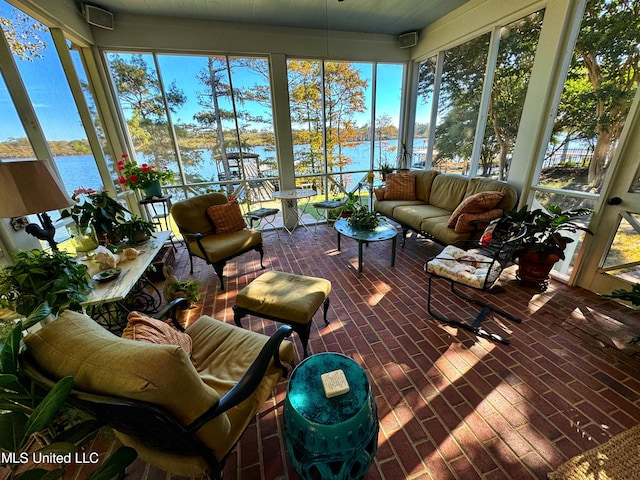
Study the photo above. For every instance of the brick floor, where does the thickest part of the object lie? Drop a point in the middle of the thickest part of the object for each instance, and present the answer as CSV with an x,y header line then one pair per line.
x,y
450,405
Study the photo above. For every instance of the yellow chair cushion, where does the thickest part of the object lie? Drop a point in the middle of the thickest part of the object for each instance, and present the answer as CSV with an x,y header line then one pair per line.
x,y
214,344
220,247
286,296
103,363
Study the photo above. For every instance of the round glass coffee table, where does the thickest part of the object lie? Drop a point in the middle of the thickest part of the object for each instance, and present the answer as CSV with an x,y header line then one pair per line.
x,y
384,231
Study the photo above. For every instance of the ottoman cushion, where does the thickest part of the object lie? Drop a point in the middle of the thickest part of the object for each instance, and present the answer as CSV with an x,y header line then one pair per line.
x,y
287,296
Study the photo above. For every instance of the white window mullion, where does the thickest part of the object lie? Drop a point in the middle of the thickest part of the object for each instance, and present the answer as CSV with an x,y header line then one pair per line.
x,y
485,100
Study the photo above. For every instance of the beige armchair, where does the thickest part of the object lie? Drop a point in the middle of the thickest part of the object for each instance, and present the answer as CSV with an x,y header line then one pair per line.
x,y
181,412
202,238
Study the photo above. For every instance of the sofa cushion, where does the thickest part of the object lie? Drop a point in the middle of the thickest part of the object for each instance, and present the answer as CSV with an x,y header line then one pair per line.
x,y
413,215
463,224
424,181
437,228
478,203
143,328
448,191
387,207
400,187
226,218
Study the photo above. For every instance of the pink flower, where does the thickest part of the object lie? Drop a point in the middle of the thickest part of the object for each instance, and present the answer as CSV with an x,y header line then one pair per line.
x,y
122,180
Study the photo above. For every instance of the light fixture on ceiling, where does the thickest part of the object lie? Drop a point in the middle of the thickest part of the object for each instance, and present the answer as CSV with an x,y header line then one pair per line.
x,y
31,187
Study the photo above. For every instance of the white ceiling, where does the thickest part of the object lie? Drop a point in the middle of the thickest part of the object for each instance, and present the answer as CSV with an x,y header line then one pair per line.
x,y
366,16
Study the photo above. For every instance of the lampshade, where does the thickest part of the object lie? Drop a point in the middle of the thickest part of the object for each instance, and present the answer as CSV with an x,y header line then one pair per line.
x,y
30,187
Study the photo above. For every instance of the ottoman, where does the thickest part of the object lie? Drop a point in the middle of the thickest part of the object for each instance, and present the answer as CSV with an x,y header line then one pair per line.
x,y
286,298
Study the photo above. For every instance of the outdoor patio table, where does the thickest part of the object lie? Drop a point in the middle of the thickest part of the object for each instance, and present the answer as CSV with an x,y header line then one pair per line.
x,y
384,231
291,196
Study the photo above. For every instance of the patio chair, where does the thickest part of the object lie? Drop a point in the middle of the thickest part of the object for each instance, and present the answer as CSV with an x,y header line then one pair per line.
x,y
325,207
178,398
215,236
263,216
478,267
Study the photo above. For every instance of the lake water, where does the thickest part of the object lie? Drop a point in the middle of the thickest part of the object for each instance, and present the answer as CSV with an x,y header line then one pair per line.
x,y
80,171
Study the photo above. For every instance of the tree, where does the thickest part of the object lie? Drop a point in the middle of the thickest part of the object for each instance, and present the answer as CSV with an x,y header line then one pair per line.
x,y
602,79
141,96
23,35
462,82
344,97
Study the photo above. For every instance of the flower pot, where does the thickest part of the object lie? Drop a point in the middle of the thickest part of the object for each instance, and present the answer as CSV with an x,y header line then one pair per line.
x,y
533,270
83,238
153,190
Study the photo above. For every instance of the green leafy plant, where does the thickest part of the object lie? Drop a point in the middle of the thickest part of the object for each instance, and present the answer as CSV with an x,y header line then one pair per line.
x,y
632,295
135,230
26,409
385,169
363,218
37,277
545,228
97,208
350,202
189,290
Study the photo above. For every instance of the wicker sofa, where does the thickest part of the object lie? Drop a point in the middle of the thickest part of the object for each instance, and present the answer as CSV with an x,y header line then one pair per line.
x,y
445,207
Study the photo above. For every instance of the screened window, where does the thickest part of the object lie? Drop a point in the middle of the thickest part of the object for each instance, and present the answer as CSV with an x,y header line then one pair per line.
x,y
597,96
350,130
208,119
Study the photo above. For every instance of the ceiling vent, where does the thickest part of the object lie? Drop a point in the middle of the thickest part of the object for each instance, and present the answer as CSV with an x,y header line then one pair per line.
x,y
97,16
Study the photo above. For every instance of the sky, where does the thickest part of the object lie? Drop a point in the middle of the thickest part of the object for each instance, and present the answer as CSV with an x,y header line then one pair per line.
x,y
52,100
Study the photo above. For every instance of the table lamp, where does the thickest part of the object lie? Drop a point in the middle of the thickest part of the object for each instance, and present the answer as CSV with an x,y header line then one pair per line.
x,y
28,187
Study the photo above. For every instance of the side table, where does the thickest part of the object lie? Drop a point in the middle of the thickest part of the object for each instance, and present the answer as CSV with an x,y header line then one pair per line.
x,y
158,210
330,438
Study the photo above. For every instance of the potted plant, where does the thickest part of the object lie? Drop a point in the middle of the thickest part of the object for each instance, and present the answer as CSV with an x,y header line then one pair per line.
x,y
350,202
363,219
97,209
135,230
543,243
385,169
38,276
145,177
174,288
404,158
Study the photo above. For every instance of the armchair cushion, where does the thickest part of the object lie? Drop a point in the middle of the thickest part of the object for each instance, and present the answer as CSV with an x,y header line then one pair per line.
x,y
220,247
226,218
461,266
143,328
214,343
102,363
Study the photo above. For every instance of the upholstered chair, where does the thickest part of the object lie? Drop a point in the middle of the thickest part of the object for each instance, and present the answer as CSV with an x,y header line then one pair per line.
x,y
214,229
180,399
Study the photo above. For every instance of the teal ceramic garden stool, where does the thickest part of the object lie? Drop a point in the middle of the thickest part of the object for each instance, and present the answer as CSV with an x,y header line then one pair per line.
x,y
330,438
